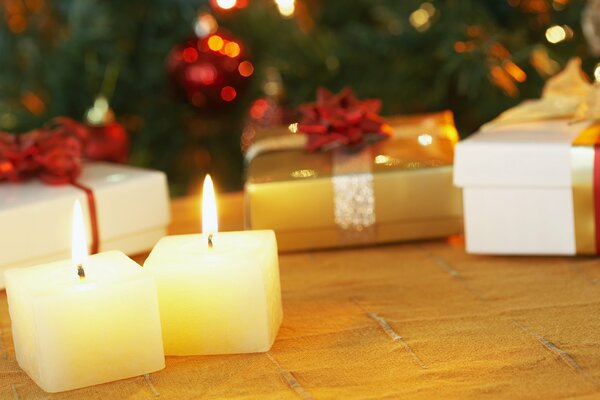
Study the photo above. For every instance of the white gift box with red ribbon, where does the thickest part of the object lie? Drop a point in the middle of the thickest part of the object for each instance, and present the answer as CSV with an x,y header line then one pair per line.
x,y
131,213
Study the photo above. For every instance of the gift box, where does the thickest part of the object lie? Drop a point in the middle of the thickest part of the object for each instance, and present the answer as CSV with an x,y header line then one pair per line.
x,y
530,178
399,188
125,208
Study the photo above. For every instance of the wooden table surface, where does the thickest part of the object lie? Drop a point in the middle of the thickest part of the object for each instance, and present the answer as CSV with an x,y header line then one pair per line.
x,y
418,320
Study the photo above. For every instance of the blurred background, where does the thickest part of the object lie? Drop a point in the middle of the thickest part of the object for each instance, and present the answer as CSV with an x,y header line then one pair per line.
x,y
189,82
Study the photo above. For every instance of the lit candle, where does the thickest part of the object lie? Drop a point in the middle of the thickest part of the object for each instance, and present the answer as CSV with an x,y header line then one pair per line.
x,y
84,321
219,292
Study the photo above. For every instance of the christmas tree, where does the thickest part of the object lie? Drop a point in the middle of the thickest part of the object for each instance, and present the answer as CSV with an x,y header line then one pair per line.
x,y
475,58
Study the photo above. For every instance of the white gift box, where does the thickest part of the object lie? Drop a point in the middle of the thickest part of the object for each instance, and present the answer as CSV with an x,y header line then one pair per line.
x,y
517,182
132,209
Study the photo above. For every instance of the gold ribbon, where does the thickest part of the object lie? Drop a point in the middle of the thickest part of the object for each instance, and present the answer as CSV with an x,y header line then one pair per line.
x,y
583,155
567,95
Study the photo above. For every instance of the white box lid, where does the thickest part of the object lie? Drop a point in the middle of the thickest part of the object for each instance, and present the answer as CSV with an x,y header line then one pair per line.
x,y
534,154
35,218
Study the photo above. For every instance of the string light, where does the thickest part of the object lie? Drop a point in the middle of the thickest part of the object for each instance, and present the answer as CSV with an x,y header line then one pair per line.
x,y
215,43
515,71
556,33
231,49
597,73
421,18
205,25
33,103
226,4
189,54
228,93
246,68
286,7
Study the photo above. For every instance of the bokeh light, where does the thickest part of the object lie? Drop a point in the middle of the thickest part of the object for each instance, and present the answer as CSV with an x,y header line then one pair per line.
x,y
232,49
556,33
215,43
421,18
204,74
205,25
286,7
246,69
228,93
189,54
226,4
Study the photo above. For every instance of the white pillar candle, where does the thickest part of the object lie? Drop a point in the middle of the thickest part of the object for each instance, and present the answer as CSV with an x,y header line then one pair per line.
x,y
84,321
219,292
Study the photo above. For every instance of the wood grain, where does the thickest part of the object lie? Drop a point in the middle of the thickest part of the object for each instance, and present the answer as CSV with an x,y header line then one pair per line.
x,y
416,320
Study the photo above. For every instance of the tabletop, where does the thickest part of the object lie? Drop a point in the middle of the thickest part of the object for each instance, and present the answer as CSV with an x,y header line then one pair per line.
x,y
417,320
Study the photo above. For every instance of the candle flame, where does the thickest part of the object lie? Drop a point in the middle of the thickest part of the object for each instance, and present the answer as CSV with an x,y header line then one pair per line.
x,y
79,248
210,224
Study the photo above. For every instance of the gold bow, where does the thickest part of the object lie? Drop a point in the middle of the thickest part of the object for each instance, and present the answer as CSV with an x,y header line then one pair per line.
x,y
567,95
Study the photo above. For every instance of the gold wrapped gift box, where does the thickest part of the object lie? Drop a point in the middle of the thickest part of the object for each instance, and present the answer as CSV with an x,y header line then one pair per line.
x,y
397,189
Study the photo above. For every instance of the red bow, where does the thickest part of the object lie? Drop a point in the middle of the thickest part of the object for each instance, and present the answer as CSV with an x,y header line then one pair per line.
x,y
54,153
341,119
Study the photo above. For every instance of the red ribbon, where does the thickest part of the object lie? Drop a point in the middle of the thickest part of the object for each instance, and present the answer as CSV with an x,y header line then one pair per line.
x,y
341,119
597,194
53,153
91,200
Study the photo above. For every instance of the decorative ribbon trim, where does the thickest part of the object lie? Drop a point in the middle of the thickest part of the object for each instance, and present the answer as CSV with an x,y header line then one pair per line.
x,y
567,95
287,141
353,194
596,185
436,125
585,186
91,201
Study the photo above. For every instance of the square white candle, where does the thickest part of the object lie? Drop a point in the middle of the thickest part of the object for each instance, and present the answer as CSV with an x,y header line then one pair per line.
x,y
70,332
221,299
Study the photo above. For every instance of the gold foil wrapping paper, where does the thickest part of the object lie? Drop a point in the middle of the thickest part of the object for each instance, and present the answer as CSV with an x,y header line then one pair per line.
x,y
302,196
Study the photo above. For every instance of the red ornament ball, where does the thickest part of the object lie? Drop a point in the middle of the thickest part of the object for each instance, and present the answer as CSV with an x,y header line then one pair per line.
x,y
109,142
211,72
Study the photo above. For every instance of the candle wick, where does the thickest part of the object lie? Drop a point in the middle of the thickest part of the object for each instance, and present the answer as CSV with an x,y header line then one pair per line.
x,y
80,271
210,240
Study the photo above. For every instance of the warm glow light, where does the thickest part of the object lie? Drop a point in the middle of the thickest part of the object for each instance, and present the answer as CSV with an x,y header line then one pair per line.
x,y
597,73
421,18
286,7
226,4
556,34
205,25
232,49
189,54
228,93
79,249
246,68
215,43
204,73
513,70
210,224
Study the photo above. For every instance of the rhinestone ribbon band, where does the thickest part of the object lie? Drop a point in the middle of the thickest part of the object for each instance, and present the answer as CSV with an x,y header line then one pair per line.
x,y
353,194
